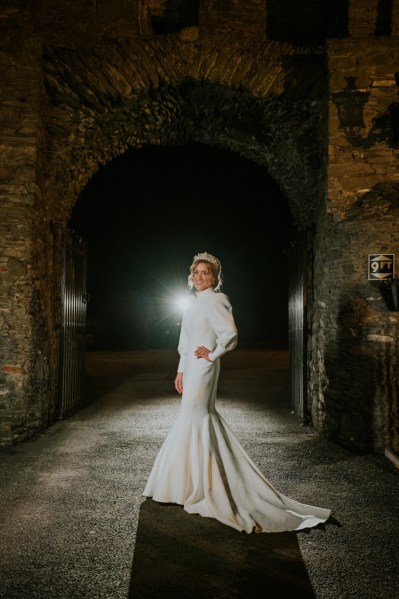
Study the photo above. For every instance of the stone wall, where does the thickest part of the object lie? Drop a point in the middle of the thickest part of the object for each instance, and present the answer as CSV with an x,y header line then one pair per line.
x,y
24,393
354,338
363,118
305,23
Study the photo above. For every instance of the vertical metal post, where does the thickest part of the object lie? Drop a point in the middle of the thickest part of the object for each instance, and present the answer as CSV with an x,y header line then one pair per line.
x,y
297,327
73,323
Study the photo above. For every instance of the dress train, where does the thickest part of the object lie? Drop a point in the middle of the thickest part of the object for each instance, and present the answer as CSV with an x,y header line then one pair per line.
x,y
203,467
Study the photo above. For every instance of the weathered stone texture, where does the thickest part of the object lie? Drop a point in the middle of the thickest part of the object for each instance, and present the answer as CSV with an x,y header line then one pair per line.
x,y
354,340
234,92
365,154
23,403
362,18
310,22
235,15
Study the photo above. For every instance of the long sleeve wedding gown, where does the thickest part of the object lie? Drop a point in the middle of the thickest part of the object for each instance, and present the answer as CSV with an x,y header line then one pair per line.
x,y
201,464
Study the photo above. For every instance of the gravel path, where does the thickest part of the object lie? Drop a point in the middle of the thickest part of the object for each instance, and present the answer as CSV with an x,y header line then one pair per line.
x,y
73,522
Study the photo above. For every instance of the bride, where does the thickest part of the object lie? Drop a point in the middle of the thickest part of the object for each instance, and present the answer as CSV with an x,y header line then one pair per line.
x,y
201,464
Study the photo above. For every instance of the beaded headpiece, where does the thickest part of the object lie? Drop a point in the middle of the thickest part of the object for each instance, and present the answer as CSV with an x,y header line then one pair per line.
x,y
207,257
204,256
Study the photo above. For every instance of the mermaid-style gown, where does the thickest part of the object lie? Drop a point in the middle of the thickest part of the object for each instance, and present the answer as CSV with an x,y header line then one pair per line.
x,y
201,464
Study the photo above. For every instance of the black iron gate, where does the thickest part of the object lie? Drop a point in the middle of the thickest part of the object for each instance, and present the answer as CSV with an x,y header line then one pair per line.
x,y
73,323
297,305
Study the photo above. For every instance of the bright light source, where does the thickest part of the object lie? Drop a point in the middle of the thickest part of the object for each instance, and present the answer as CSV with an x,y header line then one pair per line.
x,y
182,303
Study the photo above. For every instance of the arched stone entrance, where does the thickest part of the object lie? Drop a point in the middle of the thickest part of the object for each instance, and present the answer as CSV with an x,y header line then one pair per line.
x,y
266,101
290,109
277,126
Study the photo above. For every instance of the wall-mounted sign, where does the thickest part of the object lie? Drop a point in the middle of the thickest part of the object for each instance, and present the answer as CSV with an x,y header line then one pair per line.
x,y
381,266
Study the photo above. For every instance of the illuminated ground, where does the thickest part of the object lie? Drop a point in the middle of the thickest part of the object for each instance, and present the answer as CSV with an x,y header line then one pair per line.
x,y
73,523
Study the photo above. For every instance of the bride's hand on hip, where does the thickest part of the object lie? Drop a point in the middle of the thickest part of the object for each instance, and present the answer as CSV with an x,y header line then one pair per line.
x,y
202,352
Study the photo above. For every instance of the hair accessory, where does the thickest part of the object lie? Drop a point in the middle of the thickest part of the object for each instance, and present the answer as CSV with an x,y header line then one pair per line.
x,y
207,257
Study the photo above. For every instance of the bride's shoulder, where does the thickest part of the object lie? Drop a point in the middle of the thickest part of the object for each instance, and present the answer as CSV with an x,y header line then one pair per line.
x,y
220,298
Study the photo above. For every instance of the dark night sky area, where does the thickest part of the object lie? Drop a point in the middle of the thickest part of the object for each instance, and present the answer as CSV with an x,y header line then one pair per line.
x,y
145,215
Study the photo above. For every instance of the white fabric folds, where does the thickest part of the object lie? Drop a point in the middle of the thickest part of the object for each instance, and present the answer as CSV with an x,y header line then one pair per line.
x,y
201,464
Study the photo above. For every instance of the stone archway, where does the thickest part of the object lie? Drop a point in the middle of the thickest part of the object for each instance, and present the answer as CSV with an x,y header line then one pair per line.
x,y
270,102
262,100
82,84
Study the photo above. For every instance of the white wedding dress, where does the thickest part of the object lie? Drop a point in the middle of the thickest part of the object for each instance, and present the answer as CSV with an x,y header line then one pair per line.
x,y
201,464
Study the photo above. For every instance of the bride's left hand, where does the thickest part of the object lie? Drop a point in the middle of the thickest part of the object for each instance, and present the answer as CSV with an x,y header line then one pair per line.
x,y
202,352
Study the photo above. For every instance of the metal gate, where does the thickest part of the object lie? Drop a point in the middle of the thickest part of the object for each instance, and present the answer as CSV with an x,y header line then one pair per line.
x,y
73,323
297,318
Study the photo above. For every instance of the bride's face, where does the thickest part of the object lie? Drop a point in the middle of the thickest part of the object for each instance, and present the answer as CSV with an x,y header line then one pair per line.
x,y
202,276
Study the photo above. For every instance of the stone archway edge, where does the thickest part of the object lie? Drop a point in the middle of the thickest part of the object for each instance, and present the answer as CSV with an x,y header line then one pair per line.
x,y
126,67
107,98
